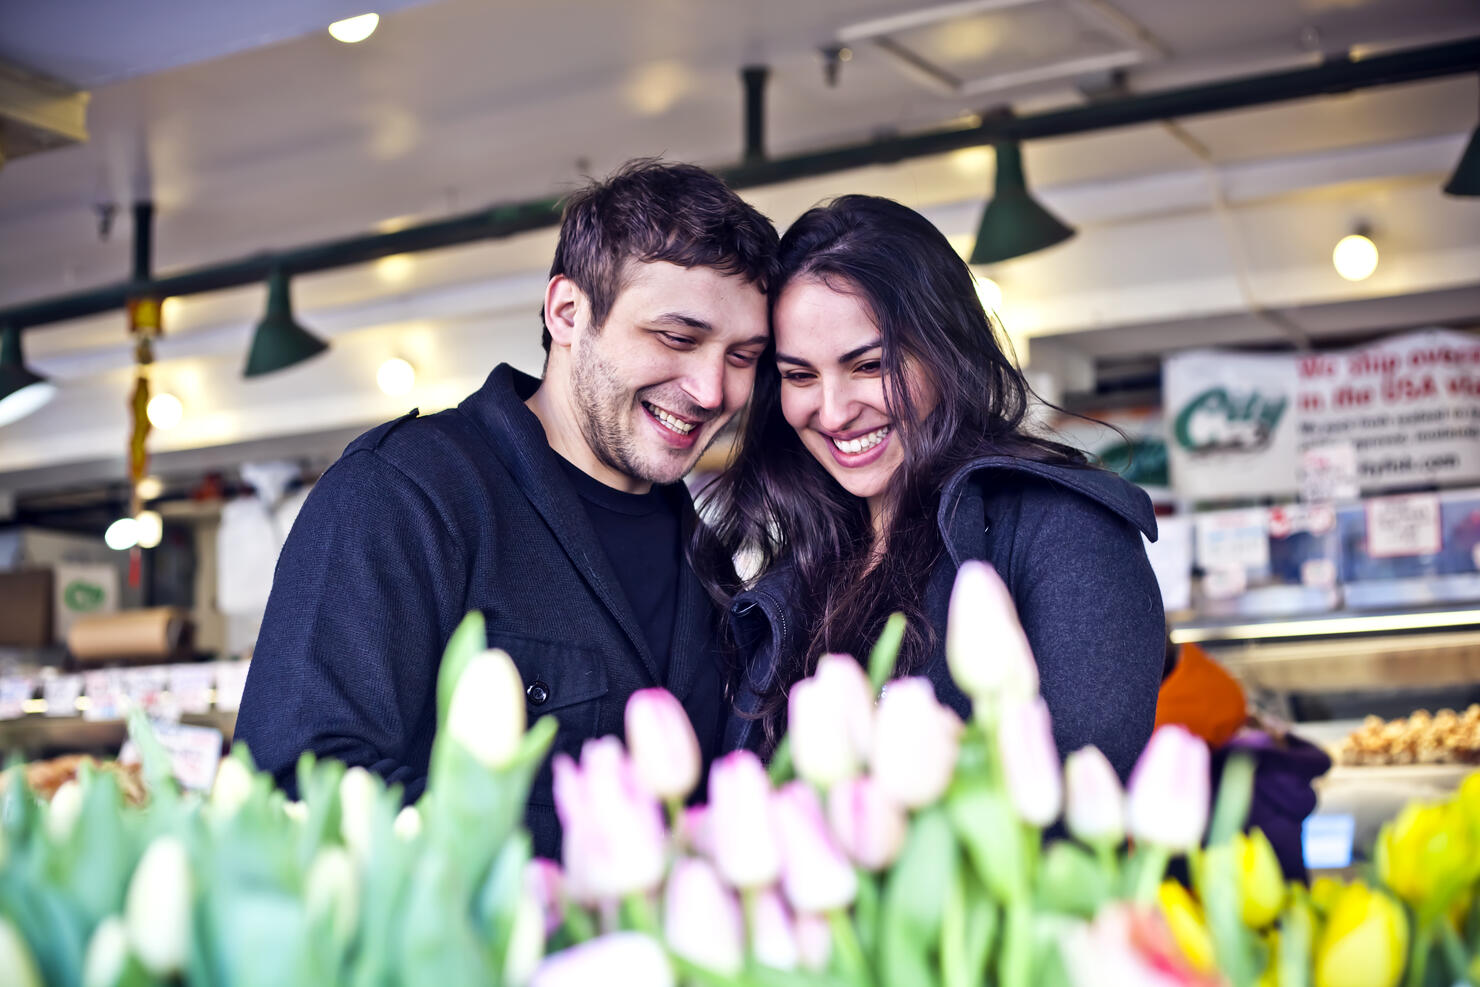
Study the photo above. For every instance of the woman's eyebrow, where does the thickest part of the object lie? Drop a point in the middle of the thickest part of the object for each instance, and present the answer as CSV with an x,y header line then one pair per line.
x,y
847,357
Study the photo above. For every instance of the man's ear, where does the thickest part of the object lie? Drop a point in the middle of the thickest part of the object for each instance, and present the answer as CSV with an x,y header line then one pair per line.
x,y
566,307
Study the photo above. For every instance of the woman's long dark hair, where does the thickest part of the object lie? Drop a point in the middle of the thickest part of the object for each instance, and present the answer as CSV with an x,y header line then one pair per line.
x,y
778,505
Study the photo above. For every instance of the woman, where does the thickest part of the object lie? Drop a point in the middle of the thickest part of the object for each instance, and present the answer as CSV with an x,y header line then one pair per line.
x,y
886,444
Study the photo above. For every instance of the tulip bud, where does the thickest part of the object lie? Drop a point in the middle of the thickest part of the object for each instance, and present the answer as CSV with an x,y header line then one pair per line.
x,y
1364,942
815,875
107,953
526,941
986,648
1323,894
773,934
830,720
407,826
332,889
746,850
157,907
296,811
1167,803
1030,761
614,841
1261,880
698,831
17,965
232,788
1427,851
358,791
1095,809
701,918
486,716
814,942
915,741
1188,925
665,751
617,959
66,806
869,827
542,882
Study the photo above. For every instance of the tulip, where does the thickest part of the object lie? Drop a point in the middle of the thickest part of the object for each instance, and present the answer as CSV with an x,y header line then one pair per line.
x,y
1324,891
157,907
915,742
543,880
1167,803
830,721
815,875
614,841
17,965
66,806
331,890
869,827
617,959
358,792
1188,925
1095,802
746,850
232,788
296,811
1427,854
773,934
407,826
665,751
698,830
1030,761
486,715
1125,947
1260,878
701,918
986,649
1364,942
526,941
107,953
814,942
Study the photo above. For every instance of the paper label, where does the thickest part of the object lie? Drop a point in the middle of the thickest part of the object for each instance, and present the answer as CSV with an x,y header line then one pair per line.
x,y
1403,526
61,693
15,691
1328,473
1233,539
231,679
195,753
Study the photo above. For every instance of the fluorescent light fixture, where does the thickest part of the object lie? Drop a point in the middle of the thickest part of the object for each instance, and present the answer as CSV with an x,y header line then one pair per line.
x,y
353,30
1320,626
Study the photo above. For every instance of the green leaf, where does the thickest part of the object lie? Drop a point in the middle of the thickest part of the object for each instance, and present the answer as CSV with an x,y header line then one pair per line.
x,y
1235,795
916,892
498,902
884,656
1295,950
1218,887
990,830
1072,881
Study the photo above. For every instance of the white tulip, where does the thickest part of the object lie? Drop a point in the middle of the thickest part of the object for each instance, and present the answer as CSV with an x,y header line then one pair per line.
x,y
332,888
915,743
296,811
408,824
157,907
66,806
232,788
986,649
526,941
830,721
107,952
17,965
1095,808
358,791
486,716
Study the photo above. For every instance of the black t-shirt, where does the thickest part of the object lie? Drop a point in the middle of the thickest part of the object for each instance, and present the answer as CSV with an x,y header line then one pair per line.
x,y
640,533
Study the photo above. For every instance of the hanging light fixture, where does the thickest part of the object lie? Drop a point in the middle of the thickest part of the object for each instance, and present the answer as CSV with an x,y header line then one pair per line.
x,y
22,390
1355,255
1466,177
1014,223
280,341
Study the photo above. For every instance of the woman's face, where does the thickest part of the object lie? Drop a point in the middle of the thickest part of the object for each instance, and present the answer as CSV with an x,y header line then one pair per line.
x,y
830,355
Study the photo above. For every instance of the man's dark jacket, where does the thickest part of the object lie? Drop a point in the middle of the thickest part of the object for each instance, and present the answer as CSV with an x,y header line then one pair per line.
x,y
420,521
1067,542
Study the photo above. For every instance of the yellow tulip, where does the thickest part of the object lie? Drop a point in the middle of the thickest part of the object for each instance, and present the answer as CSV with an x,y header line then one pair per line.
x,y
1364,942
1323,893
1271,975
1261,881
1427,854
1189,928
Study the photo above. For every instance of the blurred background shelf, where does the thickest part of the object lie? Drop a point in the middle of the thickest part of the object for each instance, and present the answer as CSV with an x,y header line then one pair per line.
x,y
35,736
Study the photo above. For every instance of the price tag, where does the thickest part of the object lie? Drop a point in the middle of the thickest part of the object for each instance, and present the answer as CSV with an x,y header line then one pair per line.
x,y
1329,473
1233,540
1224,582
105,695
191,686
1403,526
195,752
60,693
15,692
231,679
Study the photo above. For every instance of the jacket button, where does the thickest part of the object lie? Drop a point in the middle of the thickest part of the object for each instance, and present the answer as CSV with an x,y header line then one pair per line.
x,y
538,693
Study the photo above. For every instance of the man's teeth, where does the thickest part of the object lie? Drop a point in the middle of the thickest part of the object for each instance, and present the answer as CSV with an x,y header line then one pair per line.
x,y
863,442
677,424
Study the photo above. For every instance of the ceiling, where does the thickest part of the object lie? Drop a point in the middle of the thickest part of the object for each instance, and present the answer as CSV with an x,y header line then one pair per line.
x,y
252,130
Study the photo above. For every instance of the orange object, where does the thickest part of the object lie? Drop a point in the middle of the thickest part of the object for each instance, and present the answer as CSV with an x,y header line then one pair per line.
x,y
1202,697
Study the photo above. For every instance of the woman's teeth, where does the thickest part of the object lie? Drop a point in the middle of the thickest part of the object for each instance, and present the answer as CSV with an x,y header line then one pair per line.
x,y
678,425
863,442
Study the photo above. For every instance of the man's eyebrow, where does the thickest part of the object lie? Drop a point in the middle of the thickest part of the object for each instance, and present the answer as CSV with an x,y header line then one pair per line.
x,y
682,319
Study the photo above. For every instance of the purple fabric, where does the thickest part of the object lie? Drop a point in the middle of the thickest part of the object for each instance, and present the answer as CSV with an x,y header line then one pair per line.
x,y
1283,791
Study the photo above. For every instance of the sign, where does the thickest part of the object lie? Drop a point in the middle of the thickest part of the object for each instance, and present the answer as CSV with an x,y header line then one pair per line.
x,y
81,590
1231,431
61,693
1329,473
1400,526
1228,540
195,753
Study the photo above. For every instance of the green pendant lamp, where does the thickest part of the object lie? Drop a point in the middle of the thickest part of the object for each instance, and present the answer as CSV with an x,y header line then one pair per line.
x,y
1466,177
280,341
1014,223
22,390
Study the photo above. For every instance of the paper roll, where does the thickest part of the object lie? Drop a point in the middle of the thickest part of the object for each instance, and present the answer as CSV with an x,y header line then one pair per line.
x,y
130,635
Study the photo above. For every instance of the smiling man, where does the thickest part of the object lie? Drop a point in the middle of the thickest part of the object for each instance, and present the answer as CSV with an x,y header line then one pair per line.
x,y
554,506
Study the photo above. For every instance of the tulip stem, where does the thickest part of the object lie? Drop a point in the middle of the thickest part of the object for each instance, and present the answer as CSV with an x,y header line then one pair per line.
x,y
639,914
1109,861
1149,866
1454,952
675,817
1423,941
850,953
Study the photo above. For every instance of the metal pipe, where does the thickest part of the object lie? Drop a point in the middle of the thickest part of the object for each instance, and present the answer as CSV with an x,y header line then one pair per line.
x,y
143,242
754,77
1335,75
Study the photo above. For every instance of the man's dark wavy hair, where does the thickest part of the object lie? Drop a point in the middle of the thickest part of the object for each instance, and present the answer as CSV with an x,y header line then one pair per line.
x,y
778,502
650,210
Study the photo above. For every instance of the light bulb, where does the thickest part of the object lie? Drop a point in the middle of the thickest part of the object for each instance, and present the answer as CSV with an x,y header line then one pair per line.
x,y
149,488
149,527
353,30
165,411
122,534
396,377
990,292
1355,257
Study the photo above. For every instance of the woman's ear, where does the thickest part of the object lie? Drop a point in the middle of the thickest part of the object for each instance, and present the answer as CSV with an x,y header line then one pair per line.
x,y
565,305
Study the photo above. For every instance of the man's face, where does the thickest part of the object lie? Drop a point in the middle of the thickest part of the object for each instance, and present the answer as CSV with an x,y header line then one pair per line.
x,y
673,362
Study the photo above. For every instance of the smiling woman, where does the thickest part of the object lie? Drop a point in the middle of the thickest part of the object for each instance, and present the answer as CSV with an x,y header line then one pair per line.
x,y
886,445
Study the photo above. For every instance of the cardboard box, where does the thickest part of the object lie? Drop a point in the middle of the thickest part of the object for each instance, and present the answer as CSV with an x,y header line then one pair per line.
x,y
25,609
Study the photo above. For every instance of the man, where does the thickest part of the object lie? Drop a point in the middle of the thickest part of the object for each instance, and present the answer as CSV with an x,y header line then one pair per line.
x,y
554,506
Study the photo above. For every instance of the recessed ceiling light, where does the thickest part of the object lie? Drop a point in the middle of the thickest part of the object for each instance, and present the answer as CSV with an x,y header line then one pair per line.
x,y
1355,257
352,30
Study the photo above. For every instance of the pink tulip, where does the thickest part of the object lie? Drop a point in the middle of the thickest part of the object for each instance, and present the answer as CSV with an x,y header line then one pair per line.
x,y
1030,760
816,876
1096,803
915,741
814,942
1167,804
986,648
701,918
614,841
618,959
830,720
542,882
664,749
773,934
1127,947
868,826
746,849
